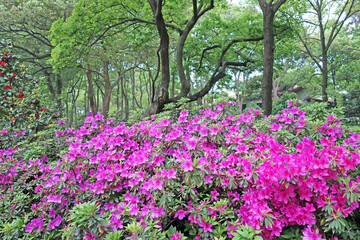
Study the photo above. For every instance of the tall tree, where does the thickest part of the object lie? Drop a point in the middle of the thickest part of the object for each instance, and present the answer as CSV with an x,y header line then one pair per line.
x,y
326,30
103,23
269,10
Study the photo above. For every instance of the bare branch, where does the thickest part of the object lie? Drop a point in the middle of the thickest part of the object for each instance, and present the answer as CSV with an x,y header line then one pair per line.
x,y
203,54
309,52
31,53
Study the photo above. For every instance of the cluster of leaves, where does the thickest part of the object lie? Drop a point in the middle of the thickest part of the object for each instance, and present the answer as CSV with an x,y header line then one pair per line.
x,y
211,176
20,110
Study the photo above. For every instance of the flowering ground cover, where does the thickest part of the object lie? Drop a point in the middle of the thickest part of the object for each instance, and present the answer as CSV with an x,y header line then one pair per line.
x,y
208,176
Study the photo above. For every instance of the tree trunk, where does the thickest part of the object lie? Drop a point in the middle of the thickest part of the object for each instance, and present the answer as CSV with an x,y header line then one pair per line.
x,y
147,88
58,92
132,76
269,10
172,85
140,89
75,97
237,93
125,97
91,91
107,91
49,84
268,62
97,100
117,97
277,84
162,95
122,99
198,87
85,105
324,60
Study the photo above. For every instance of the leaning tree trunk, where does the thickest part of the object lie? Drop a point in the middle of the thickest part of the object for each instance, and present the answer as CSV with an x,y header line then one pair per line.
x,y
162,94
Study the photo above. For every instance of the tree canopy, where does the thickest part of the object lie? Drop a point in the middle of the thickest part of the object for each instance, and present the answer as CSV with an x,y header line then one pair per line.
x,y
122,56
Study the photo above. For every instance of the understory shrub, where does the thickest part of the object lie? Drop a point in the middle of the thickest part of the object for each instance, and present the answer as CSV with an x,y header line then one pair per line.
x,y
21,113
210,176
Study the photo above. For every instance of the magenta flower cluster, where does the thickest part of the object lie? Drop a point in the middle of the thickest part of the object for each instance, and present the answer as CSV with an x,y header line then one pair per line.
x,y
203,171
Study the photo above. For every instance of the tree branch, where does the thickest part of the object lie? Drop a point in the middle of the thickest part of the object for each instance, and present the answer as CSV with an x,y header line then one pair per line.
x,y
204,51
309,52
31,53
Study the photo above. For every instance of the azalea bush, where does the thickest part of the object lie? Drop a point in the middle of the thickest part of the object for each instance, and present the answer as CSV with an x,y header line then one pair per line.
x,y
208,176
21,112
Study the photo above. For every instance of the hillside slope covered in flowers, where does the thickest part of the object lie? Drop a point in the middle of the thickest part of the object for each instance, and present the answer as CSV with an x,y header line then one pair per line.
x,y
211,176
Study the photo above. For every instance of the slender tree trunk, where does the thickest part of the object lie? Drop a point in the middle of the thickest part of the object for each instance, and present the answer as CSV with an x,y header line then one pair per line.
x,y
107,91
122,98
85,105
75,116
132,76
172,93
117,97
325,73
198,87
97,99
277,84
188,80
140,90
71,115
91,91
75,97
125,97
67,107
147,88
334,83
58,92
237,93
245,79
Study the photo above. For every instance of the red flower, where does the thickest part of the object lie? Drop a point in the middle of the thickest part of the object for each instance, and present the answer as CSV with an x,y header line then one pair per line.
x,y
20,95
2,63
13,120
37,115
10,79
14,75
7,87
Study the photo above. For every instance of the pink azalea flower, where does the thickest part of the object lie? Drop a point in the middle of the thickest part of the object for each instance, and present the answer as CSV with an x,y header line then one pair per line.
x,y
187,165
309,234
54,198
206,226
55,222
98,117
134,210
175,236
181,214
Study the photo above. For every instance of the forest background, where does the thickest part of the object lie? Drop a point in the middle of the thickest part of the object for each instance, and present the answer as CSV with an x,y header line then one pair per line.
x,y
128,59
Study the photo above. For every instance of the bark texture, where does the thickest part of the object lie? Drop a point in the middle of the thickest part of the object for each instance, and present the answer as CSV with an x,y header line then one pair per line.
x,y
269,10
